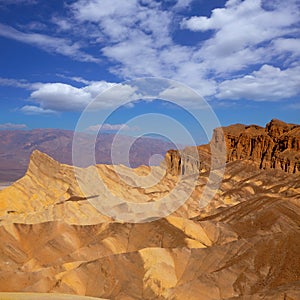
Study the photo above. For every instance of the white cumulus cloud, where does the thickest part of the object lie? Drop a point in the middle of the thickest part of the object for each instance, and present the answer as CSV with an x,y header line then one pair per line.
x,y
243,32
60,97
35,110
267,84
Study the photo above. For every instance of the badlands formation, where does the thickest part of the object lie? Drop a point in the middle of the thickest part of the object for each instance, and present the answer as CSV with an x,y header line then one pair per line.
x,y
242,244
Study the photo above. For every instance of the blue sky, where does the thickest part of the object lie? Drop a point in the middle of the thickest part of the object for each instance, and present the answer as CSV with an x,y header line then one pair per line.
x,y
57,56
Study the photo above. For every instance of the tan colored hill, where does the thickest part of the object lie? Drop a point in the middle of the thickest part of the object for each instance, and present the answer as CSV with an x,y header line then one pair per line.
x,y
49,191
241,244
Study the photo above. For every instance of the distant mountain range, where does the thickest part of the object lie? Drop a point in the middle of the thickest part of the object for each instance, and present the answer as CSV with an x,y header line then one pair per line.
x,y
17,145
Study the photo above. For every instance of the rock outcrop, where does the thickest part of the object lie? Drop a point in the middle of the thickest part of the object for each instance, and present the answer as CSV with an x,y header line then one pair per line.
x,y
188,161
277,146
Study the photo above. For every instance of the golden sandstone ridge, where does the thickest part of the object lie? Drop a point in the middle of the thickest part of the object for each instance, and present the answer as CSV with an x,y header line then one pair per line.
x,y
243,244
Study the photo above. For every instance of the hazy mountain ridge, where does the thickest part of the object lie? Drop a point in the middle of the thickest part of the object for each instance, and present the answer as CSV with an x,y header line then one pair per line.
x,y
17,145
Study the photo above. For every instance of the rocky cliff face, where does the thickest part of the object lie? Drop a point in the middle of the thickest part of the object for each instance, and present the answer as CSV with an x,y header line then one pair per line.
x,y
186,162
277,146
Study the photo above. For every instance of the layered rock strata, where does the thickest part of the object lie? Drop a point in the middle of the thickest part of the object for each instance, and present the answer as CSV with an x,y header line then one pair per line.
x,y
277,146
